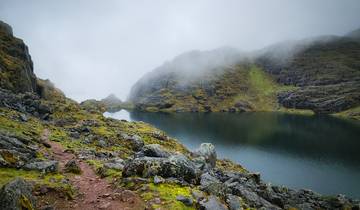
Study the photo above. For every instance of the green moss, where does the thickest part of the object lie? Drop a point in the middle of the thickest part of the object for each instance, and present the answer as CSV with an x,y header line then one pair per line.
x,y
53,180
167,194
32,128
353,113
25,203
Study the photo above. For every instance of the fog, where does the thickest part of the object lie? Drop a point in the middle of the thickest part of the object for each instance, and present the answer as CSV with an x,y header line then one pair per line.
x,y
90,48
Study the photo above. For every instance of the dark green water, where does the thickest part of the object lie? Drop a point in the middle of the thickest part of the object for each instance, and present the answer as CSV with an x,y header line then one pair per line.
x,y
313,152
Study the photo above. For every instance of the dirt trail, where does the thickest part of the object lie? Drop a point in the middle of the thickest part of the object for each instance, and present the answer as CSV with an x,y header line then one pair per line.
x,y
93,192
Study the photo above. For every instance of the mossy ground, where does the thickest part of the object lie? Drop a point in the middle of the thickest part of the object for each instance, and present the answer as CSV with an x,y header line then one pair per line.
x,y
167,194
353,113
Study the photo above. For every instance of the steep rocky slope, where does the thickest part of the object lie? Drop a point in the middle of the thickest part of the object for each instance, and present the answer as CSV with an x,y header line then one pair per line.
x,y
16,67
54,154
320,74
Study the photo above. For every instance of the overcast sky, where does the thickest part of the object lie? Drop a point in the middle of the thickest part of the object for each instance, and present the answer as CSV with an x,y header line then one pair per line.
x,y
91,48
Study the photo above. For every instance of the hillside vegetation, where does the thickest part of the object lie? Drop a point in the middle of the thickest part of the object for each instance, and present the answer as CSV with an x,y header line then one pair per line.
x,y
320,75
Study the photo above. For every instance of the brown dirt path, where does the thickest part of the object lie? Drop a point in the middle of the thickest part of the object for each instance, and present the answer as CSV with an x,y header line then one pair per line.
x,y
93,192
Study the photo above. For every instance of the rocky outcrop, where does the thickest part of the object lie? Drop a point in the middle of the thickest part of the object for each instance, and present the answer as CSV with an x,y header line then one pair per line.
x,y
16,67
26,103
326,72
17,195
15,152
207,151
227,189
47,166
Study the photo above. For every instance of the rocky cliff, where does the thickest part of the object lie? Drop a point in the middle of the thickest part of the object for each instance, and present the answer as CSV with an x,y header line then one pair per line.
x,y
16,66
321,74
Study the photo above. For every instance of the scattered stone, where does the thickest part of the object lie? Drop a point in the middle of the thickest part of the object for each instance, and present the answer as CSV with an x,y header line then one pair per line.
x,y
72,167
185,200
212,203
158,180
233,202
23,117
17,195
159,135
198,195
46,144
102,143
136,142
117,164
153,150
48,166
105,205
207,150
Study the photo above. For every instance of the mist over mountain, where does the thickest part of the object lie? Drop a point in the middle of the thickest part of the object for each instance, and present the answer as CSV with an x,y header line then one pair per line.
x,y
318,73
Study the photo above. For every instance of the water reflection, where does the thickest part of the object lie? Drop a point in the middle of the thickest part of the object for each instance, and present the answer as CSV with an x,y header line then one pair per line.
x,y
316,152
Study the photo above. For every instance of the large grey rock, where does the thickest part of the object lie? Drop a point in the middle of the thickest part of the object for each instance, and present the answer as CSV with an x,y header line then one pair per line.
x,y
153,150
43,166
233,202
17,195
117,164
207,151
251,197
185,200
135,141
14,151
213,186
211,203
177,166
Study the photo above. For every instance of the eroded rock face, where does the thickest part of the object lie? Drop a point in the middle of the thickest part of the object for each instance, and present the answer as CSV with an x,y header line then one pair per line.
x,y
17,195
25,103
14,152
17,75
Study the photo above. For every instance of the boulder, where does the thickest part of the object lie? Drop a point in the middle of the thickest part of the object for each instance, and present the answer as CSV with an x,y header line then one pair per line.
x,y
135,141
47,166
159,135
213,186
158,180
153,150
233,202
185,200
117,164
211,203
177,166
17,195
14,151
207,151
72,167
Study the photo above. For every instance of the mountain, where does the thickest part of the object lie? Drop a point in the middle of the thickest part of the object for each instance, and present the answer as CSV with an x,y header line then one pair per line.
x,y
320,74
54,153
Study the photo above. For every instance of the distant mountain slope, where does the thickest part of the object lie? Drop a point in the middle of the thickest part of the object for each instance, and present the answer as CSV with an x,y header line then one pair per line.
x,y
327,73
321,74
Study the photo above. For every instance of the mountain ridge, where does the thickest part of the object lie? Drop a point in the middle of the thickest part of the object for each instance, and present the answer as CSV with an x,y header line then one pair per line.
x,y
322,75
